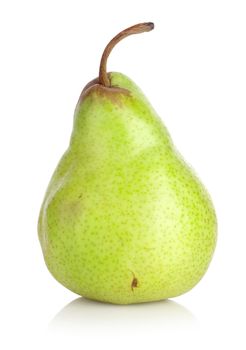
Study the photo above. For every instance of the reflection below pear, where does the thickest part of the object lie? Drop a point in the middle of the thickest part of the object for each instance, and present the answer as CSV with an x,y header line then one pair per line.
x,y
82,315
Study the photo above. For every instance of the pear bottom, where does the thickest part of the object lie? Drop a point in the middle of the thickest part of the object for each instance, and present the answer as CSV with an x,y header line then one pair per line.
x,y
151,279
130,234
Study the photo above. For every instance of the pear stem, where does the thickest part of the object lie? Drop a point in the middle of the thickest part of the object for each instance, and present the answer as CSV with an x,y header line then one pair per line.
x,y
136,29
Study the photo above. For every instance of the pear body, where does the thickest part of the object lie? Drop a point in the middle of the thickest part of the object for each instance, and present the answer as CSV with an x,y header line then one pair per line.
x,y
125,219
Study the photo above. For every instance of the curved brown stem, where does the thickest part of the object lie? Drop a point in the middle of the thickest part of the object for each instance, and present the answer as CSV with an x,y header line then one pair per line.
x,y
137,29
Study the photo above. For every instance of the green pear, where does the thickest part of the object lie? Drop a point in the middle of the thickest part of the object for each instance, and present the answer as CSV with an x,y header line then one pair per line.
x,y
124,219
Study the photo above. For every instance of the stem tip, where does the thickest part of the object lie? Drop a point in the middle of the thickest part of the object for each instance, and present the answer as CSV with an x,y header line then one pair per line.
x,y
136,29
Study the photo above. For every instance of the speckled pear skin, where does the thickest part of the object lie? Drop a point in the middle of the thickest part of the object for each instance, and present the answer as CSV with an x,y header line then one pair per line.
x,y
124,219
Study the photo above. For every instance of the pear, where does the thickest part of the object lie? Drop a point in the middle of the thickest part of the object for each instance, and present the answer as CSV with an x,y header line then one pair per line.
x,y
124,219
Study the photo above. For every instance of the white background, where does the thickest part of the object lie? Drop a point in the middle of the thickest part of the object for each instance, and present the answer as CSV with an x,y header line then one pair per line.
x,y
192,67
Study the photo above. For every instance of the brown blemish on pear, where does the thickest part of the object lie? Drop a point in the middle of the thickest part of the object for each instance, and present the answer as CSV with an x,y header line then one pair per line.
x,y
72,208
115,94
134,283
